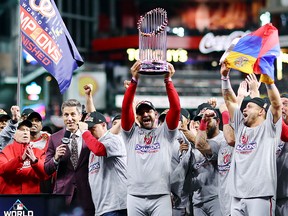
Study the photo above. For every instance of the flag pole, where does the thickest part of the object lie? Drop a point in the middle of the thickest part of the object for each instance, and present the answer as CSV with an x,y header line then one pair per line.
x,y
19,60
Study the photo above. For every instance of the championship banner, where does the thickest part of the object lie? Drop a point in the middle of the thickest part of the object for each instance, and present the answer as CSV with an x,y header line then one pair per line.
x,y
256,53
45,37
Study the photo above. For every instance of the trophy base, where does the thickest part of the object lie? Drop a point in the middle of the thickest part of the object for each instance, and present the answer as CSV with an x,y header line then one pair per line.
x,y
153,68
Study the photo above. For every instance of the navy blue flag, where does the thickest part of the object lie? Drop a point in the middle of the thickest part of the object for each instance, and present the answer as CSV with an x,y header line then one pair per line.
x,y
45,37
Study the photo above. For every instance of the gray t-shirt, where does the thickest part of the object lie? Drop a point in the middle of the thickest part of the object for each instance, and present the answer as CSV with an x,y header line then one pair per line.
x,y
253,165
177,157
149,155
206,171
224,154
107,176
282,170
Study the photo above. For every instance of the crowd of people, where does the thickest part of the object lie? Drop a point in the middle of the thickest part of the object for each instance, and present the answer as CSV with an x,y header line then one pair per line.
x,y
228,159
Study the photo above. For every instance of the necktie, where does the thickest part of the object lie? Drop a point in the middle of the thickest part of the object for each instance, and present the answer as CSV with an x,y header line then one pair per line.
x,y
74,151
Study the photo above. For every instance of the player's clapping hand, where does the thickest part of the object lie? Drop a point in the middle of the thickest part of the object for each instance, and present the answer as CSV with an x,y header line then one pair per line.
x,y
243,90
252,83
30,154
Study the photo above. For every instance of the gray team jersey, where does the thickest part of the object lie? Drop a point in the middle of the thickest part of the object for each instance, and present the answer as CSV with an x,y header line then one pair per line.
x,y
107,176
224,154
253,165
149,159
175,162
282,170
206,171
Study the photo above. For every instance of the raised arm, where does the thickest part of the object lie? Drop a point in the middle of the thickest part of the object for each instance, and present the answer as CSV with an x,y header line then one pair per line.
x,y
127,114
227,91
173,115
89,98
201,142
228,131
275,100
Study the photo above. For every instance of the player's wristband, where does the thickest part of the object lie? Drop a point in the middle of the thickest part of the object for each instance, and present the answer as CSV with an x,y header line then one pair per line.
x,y
166,80
225,84
203,125
225,117
270,86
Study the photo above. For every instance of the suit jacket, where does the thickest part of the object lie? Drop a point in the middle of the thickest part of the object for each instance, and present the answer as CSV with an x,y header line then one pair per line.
x,y
68,180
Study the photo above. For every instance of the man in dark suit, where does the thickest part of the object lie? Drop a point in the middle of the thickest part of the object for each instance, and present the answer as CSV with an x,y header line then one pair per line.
x,y
69,161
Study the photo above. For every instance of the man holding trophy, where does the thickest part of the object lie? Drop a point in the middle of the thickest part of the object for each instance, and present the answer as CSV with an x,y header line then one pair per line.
x,y
149,149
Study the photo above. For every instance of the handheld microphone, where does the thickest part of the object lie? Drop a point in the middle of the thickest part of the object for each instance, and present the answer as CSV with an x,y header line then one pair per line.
x,y
66,138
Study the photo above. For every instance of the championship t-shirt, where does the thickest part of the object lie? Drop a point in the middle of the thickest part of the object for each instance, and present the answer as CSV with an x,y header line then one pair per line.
x,y
149,155
107,176
224,154
253,165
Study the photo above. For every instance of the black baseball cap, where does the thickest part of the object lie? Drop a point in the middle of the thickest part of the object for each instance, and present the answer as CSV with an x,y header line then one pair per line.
x,y
244,103
26,123
34,115
27,111
203,106
185,113
94,118
144,103
284,95
116,117
162,115
4,115
261,102
199,115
